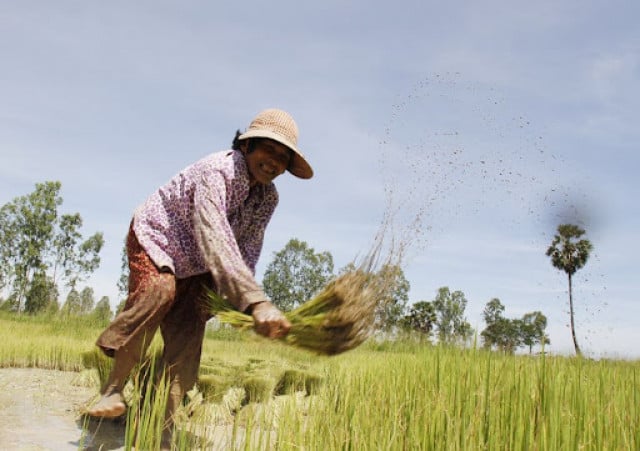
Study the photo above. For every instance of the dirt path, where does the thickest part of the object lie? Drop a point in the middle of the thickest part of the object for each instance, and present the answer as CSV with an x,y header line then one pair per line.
x,y
41,411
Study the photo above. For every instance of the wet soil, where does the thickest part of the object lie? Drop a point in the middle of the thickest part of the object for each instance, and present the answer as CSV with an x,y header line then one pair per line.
x,y
42,410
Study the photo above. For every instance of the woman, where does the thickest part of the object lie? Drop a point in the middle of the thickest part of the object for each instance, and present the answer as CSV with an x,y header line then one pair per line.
x,y
204,228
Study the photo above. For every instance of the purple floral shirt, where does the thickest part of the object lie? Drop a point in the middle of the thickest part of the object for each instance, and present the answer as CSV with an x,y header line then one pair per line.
x,y
208,219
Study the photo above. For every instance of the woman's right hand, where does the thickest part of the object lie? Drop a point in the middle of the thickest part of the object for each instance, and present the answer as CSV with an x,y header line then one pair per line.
x,y
269,320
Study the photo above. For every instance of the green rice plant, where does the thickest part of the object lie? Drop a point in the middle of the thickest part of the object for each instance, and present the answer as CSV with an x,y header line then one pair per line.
x,y
86,378
442,398
338,319
213,387
146,422
258,389
44,341
392,396
96,359
312,383
290,382
293,380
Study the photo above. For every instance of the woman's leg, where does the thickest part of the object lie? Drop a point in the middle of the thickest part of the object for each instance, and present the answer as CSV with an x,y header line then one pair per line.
x,y
151,295
183,332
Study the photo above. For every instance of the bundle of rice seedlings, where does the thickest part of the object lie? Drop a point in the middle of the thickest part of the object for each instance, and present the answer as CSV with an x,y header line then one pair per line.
x,y
293,380
213,388
258,389
338,319
290,382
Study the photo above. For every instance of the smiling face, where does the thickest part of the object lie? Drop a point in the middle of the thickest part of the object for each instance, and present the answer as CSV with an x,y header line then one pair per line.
x,y
267,160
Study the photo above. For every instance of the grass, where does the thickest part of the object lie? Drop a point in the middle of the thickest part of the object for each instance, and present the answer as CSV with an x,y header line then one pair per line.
x,y
265,395
44,342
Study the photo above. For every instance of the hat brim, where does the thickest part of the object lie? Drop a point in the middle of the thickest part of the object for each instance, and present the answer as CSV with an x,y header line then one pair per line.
x,y
298,166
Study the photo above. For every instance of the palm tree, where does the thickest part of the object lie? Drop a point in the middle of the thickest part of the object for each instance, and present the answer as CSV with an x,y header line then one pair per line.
x,y
569,253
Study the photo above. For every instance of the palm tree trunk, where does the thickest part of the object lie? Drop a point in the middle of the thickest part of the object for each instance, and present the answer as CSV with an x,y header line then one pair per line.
x,y
573,327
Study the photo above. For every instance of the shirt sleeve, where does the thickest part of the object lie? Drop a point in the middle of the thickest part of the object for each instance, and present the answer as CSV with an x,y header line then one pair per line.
x,y
233,278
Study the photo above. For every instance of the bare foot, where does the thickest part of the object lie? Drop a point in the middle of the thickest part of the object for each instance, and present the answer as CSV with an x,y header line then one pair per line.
x,y
111,405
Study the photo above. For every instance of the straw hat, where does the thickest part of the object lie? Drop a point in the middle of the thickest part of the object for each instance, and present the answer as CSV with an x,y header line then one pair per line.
x,y
279,125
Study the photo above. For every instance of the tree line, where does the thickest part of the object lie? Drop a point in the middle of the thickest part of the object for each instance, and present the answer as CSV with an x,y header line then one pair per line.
x,y
42,250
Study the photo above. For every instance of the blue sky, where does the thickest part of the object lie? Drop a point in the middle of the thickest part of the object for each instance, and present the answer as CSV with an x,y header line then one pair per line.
x,y
497,120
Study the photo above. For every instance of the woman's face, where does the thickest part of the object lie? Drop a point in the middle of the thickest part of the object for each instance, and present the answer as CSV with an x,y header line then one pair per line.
x,y
268,160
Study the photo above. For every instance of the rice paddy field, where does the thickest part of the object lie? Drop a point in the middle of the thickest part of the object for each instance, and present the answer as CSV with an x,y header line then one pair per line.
x,y
257,394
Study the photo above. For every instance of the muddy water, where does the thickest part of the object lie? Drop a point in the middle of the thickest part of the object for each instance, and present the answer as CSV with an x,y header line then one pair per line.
x,y
41,411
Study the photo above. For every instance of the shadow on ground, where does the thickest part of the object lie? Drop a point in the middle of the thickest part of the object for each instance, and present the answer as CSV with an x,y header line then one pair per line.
x,y
100,433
